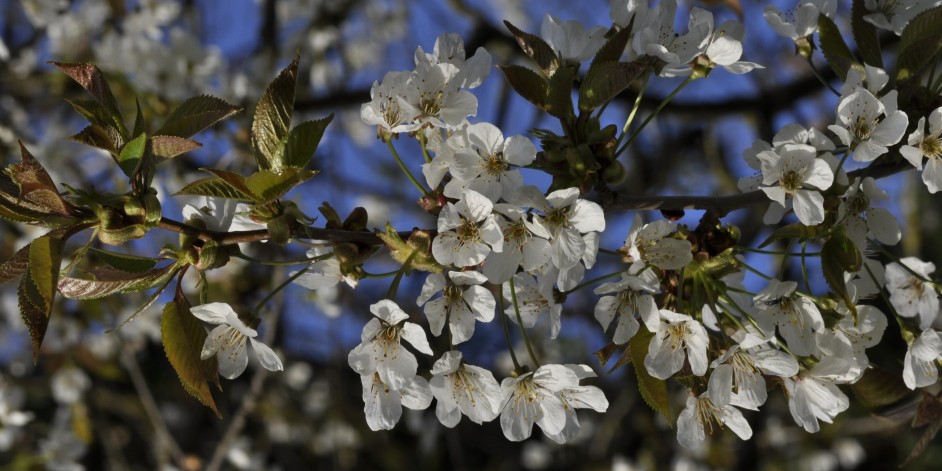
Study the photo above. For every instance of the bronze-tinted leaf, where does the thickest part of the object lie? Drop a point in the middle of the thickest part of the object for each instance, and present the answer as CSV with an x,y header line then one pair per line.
x,y
15,266
920,42
168,147
183,336
215,188
92,80
104,282
122,261
273,118
98,136
527,83
195,115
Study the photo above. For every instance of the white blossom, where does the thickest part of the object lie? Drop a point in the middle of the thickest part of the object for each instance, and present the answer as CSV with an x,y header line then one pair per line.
x,y
860,220
813,396
228,340
463,301
525,245
701,413
489,163
449,49
649,243
570,40
534,298
801,23
927,144
546,397
630,296
385,109
68,384
742,368
867,125
380,350
578,397
434,98
467,231
909,294
658,38
676,333
461,388
796,317
794,171
382,404
919,365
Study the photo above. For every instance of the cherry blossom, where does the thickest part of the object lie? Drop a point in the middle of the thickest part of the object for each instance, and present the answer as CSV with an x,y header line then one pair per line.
x,y
467,231
383,405
463,301
676,333
228,341
910,295
919,365
927,144
701,412
461,388
380,350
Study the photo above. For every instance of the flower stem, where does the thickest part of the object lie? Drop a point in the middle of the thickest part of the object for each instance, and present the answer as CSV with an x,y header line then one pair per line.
x,y
742,248
405,169
523,331
238,254
634,109
278,288
506,329
820,77
657,110
593,281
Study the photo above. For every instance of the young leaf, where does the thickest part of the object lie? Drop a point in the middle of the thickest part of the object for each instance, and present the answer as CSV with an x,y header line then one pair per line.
x,y
131,155
653,390
527,83
834,48
92,80
865,35
215,188
183,336
605,81
35,184
122,261
107,282
416,250
303,140
273,118
268,185
794,231
99,137
559,93
195,115
37,289
536,48
168,147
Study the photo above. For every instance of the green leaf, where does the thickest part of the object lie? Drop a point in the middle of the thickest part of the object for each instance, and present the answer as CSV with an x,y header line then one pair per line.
x,y
614,48
416,250
879,387
138,119
195,115
527,83
131,154
92,80
273,118
122,261
536,48
604,81
795,231
168,147
105,282
865,35
653,390
559,93
183,336
303,140
37,289
15,266
834,48
269,185
920,42
215,188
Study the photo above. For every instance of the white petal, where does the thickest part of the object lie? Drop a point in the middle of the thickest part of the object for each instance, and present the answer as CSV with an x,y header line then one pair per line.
x,y
266,357
214,313
414,334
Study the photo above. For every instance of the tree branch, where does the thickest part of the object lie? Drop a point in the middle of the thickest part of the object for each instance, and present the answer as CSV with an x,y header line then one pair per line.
x,y
303,232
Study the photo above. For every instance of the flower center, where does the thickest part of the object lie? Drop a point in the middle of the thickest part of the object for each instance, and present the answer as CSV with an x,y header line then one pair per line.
x,y
464,386
431,102
931,148
791,181
391,113
468,231
558,217
676,333
862,129
858,203
495,165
